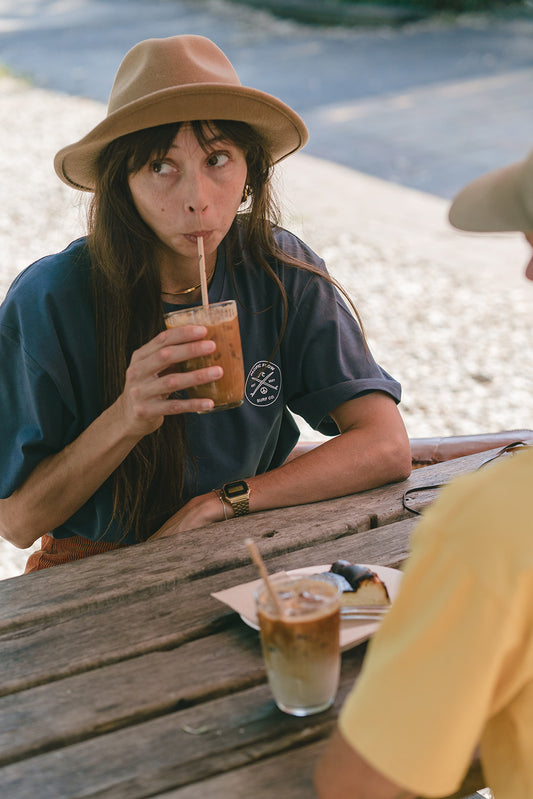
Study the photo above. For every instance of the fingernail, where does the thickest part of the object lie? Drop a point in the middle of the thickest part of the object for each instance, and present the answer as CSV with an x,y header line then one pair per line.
x,y
207,346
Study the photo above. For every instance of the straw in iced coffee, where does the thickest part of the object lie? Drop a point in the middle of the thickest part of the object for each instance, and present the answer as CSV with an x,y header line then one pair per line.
x,y
201,264
259,562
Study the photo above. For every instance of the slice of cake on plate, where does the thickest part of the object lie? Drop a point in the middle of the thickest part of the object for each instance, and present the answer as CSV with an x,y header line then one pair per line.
x,y
360,585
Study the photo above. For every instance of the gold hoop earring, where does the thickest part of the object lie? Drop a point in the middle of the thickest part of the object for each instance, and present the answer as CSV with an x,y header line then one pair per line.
x,y
246,192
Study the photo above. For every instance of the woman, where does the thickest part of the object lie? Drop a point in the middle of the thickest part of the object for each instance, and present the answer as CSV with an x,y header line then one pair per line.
x,y
103,446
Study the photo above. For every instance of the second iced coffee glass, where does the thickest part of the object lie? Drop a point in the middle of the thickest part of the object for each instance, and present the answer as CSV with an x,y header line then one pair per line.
x,y
301,648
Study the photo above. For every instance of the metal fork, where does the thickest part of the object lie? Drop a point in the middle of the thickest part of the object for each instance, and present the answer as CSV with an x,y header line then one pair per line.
x,y
364,612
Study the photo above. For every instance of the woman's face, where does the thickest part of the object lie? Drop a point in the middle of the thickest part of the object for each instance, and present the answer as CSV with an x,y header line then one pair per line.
x,y
191,193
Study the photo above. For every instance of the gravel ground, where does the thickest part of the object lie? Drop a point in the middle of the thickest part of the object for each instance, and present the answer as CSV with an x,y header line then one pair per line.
x,y
446,313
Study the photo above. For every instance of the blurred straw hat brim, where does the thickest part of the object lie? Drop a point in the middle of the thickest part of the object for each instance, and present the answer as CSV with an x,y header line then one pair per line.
x,y
497,202
179,79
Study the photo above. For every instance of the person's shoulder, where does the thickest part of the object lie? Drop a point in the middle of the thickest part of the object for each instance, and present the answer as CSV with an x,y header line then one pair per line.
x,y
294,246
503,488
285,241
486,515
59,275
507,475
55,269
49,309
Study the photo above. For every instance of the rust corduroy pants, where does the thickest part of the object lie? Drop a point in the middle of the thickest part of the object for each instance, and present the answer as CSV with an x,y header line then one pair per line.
x,y
55,551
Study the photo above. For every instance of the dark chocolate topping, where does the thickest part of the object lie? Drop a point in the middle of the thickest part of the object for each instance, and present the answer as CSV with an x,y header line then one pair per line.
x,y
353,572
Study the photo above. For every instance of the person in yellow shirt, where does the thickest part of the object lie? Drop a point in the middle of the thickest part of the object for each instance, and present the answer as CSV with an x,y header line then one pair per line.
x,y
451,667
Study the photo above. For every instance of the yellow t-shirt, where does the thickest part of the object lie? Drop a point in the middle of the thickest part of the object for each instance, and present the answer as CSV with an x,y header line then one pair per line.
x,y
452,664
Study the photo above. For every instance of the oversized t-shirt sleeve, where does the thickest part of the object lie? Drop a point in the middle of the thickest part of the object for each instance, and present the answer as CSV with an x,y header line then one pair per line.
x,y
34,420
327,361
432,676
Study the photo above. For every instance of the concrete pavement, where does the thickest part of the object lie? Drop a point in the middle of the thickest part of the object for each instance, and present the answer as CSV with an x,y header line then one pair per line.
x,y
429,105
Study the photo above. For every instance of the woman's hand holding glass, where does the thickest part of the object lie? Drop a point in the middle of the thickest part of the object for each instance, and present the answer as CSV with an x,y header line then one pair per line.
x,y
151,378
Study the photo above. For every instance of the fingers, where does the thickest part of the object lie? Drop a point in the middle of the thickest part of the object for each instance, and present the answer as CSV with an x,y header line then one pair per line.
x,y
172,407
172,346
154,374
151,398
179,381
167,349
172,356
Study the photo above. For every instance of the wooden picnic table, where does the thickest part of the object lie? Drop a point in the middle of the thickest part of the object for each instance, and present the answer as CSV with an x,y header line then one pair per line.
x,y
120,675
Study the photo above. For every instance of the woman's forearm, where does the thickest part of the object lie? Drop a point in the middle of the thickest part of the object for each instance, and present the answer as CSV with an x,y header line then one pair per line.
x,y
62,483
351,462
371,450
332,469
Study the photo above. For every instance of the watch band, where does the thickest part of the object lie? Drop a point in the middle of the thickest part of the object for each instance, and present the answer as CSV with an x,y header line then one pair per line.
x,y
237,494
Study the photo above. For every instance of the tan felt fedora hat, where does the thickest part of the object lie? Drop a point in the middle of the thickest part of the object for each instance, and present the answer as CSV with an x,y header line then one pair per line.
x,y
179,79
499,201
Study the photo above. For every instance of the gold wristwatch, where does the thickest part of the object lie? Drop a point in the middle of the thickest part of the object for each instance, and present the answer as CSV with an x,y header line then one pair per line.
x,y
237,494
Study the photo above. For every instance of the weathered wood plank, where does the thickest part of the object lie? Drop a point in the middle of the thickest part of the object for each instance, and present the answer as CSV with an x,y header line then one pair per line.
x,y
176,749
155,566
64,647
287,775
50,716
98,636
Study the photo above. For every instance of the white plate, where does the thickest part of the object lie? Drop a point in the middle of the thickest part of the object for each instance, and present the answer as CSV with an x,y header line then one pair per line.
x,y
353,632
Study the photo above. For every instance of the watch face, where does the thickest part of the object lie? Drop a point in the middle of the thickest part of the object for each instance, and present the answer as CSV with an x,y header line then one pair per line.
x,y
235,489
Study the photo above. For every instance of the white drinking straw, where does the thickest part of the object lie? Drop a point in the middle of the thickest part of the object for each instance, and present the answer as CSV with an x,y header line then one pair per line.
x,y
201,264
258,560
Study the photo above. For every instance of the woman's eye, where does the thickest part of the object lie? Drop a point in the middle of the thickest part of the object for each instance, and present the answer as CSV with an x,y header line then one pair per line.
x,y
161,168
218,159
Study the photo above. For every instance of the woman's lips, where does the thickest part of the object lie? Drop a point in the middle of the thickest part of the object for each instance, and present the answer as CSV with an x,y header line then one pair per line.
x,y
193,237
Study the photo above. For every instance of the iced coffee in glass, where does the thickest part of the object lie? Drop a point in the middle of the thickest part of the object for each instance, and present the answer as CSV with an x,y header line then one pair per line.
x,y
222,324
301,646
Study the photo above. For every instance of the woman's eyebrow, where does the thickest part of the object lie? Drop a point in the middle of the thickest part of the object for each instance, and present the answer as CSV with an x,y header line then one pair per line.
x,y
207,142
217,140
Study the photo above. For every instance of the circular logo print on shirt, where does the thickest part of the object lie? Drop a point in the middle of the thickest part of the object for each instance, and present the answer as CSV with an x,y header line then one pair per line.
x,y
263,384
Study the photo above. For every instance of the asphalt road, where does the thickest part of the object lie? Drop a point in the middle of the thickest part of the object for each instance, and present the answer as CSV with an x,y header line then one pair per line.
x,y
428,106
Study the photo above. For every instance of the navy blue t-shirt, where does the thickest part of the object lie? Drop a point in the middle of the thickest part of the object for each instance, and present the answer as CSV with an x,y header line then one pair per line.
x,y
48,388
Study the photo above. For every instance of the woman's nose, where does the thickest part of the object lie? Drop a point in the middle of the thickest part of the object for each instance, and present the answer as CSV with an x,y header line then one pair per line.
x,y
196,196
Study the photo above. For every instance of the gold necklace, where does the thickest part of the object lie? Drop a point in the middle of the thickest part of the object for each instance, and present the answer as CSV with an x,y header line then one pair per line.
x,y
187,291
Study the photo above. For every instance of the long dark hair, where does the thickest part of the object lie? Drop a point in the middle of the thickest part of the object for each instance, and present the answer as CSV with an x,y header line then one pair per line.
x,y
148,486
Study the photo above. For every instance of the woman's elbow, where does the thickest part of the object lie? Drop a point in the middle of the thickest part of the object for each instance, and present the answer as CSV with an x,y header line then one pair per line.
x,y
17,538
397,460
12,531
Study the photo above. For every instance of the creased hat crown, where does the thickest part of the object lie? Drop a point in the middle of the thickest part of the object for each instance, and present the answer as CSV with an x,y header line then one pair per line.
x,y
156,64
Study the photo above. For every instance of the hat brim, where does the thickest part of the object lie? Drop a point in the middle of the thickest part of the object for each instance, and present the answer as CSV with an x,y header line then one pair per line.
x,y
494,202
282,128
